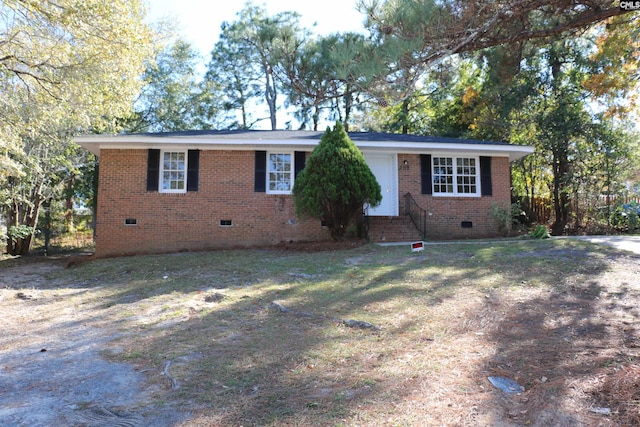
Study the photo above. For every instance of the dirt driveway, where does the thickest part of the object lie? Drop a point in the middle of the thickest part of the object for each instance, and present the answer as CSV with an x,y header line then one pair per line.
x,y
52,370
624,243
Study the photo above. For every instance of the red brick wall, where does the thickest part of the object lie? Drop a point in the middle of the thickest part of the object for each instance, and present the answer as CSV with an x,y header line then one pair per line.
x,y
191,221
445,214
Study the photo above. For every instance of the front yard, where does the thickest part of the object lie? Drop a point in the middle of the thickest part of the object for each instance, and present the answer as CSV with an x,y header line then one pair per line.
x,y
262,337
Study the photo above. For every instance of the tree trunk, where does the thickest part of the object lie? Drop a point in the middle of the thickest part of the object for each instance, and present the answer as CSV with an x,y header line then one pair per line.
x,y
560,196
25,216
47,225
245,124
316,115
533,215
270,95
348,102
405,116
68,213
338,110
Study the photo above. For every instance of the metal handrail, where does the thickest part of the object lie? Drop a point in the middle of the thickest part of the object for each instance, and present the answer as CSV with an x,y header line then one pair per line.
x,y
417,214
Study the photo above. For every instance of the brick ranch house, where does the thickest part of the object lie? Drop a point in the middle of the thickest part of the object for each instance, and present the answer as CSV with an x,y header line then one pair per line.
x,y
198,190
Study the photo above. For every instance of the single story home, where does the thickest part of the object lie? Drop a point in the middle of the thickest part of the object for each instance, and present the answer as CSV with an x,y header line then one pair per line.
x,y
198,190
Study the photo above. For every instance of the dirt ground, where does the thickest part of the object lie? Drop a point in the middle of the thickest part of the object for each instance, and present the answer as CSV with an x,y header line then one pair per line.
x,y
53,370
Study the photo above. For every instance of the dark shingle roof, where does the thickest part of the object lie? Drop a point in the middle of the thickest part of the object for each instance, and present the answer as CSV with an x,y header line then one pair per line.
x,y
283,135
299,139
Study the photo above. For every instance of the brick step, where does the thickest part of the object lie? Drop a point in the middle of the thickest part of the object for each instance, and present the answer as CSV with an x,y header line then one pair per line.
x,y
392,229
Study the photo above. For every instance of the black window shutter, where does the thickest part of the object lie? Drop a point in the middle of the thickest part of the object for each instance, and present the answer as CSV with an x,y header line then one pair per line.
x,y
193,166
485,176
153,169
299,159
425,173
260,183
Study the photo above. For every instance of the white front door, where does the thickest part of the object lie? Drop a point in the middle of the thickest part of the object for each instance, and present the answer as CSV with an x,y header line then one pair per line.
x,y
384,168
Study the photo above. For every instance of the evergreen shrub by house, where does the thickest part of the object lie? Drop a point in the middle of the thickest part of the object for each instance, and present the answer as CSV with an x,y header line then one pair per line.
x,y
336,182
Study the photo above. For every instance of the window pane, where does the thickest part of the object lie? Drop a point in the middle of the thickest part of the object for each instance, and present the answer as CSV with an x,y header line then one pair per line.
x,y
272,181
466,175
443,174
454,175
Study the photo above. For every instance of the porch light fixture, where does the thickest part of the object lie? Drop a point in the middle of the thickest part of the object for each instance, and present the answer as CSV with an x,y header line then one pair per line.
x,y
405,165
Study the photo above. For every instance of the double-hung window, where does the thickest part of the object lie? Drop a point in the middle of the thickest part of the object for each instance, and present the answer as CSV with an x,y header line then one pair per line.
x,y
456,176
279,172
173,172
275,171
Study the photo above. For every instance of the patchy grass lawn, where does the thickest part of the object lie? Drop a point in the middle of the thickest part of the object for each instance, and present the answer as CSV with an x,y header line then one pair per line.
x,y
558,316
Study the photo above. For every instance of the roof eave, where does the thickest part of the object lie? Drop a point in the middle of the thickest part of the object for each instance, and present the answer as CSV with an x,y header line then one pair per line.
x,y
95,143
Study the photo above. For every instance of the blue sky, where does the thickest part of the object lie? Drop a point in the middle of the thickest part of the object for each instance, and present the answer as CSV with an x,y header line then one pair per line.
x,y
198,21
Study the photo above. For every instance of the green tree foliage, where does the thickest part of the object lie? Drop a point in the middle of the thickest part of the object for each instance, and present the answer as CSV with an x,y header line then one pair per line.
x,y
336,182
79,62
326,74
615,66
568,97
411,34
443,104
173,98
233,70
65,68
562,120
307,76
270,60
581,154
254,43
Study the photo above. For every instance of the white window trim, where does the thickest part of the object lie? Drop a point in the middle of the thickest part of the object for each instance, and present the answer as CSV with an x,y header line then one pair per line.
x,y
161,188
455,193
292,171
